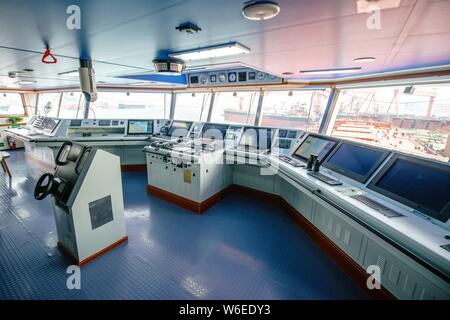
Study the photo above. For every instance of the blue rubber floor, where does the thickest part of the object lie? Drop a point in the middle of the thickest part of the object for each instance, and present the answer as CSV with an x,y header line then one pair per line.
x,y
239,249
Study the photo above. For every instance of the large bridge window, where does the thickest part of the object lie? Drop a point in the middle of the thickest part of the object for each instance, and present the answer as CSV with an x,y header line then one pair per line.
x,y
235,107
411,119
294,109
11,104
129,105
72,105
48,104
192,106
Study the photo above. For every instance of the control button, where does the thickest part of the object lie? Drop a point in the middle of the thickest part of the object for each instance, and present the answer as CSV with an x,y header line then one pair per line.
x,y
232,77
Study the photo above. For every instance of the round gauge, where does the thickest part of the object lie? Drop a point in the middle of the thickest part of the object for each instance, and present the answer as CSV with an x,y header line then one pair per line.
x,y
232,77
203,79
260,75
222,77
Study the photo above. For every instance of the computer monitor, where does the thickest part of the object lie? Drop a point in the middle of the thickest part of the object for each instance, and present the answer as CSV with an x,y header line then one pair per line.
x,y
214,131
140,127
257,138
355,161
418,183
179,128
314,144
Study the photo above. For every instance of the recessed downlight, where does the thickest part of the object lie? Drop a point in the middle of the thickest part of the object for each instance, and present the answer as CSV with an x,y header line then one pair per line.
x,y
364,59
260,10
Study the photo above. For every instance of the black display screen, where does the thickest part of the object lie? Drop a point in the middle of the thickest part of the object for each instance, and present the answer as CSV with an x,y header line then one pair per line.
x,y
214,131
421,184
355,161
257,138
104,123
75,123
319,146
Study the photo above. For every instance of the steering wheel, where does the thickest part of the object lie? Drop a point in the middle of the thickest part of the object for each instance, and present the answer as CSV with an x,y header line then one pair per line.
x,y
41,190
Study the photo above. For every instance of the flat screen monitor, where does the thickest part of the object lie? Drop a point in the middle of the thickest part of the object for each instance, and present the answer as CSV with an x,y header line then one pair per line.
x,y
140,127
355,161
257,138
179,129
75,123
314,144
214,131
418,183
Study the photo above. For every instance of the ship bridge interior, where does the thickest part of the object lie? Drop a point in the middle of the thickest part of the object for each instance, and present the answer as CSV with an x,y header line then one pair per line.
x,y
225,150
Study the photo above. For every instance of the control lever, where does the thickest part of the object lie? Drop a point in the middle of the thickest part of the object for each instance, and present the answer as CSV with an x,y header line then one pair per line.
x,y
311,162
316,165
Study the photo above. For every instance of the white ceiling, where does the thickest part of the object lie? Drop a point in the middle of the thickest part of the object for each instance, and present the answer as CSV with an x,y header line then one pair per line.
x,y
123,37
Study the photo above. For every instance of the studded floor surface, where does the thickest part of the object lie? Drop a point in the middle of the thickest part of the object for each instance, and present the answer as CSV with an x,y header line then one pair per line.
x,y
238,249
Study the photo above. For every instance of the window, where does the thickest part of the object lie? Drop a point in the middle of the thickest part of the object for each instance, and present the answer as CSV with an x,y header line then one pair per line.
x,y
72,105
192,106
11,104
235,107
410,119
131,105
48,104
294,109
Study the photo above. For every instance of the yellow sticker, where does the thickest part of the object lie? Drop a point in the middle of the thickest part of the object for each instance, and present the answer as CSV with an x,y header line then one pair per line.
x,y
187,176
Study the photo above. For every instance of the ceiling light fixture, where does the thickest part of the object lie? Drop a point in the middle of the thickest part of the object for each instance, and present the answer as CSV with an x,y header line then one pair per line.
x,y
366,6
364,59
216,51
287,73
260,10
169,66
25,82
331,71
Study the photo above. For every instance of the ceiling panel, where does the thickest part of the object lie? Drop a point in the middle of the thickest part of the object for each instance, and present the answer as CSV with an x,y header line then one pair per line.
x,y
127,35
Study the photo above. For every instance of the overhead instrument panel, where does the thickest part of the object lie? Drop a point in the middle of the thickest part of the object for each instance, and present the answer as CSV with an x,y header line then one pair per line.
x,y
232,77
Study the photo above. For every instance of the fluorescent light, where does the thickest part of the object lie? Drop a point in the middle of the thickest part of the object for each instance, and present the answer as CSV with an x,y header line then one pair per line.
x,y
26,82
71,73
331,71
364,59
221,50
367,6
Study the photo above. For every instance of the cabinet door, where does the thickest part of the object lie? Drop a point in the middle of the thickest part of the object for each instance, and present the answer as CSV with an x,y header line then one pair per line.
x,y
297,199
186,183
343,234
133,155
401,276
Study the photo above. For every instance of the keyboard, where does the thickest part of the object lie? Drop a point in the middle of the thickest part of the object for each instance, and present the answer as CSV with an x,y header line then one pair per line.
x,y
291,161
324,178
377,206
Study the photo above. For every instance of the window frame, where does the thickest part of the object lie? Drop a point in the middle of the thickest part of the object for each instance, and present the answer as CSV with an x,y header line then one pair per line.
x,y
22,99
